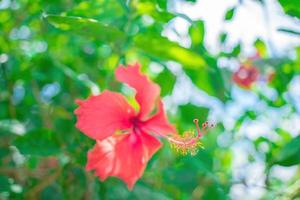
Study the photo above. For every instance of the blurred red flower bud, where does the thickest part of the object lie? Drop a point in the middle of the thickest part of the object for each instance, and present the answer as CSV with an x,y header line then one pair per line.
x,y
245,76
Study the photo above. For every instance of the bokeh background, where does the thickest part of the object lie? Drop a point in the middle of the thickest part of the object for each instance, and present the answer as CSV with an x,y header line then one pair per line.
x,y
53,52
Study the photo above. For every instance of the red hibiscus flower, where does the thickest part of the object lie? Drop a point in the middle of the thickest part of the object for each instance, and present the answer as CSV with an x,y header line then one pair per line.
x,y
126,139
245,76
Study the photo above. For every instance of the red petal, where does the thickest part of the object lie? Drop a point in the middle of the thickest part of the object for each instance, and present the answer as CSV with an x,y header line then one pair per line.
x,y
124,156
146,91
158,123
100,116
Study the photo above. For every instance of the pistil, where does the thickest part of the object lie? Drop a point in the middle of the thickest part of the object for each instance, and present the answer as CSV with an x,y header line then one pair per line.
x,y
188,142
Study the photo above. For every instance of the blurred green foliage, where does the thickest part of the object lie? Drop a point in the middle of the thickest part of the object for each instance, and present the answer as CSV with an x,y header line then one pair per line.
x,y
291,7
53,52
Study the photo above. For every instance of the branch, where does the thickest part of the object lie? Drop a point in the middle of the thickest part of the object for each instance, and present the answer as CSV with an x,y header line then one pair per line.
x,y
48,180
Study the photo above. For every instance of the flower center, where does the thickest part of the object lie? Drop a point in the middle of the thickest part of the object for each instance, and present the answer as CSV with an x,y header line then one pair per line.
x,y
135,121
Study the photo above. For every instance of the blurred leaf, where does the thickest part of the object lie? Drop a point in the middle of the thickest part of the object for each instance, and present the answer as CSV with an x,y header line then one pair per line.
x,y
52,192
278,102
293,32
4,184
283,75
183,178
236,50
291,7
285,135
76,182
147,193
290,153
166,81
150,8
189,171
229,14
197,32
33,162
86,27
162,48
40,142
101,9
248,114
260,47
189,112
223,37
162,4
214,191
251,114
3,152
210,80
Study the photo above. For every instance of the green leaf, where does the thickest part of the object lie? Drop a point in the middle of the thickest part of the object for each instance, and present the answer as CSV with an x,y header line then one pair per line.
x,y
147,193
293,32
249,114
162,4
229,14
76,183
285,135
283,75
151,8
162,48
3,152
100,9
183,178
211,80
52,192
290,153
189,112
40,142
236,50
214,191
86,27
4,184
166,81
188,171
261,47
223,37
197,32
291,7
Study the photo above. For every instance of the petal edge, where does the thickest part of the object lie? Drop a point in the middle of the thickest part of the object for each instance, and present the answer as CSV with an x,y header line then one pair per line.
x,y
100,116
147,91
124,156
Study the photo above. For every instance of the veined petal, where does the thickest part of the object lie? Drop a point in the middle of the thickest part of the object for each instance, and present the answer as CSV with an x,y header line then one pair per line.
x,y
100,116
147,92
124,156
158,123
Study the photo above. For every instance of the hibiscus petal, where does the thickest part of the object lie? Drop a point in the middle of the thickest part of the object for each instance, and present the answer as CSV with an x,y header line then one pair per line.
x,y
147,92
124,156
158,123
100,116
